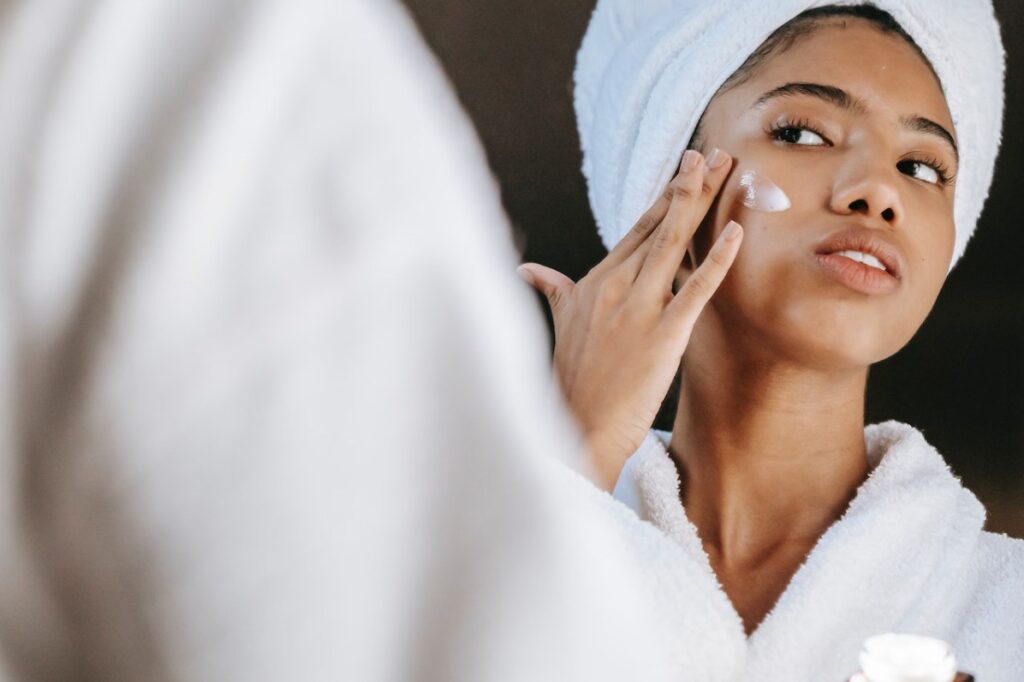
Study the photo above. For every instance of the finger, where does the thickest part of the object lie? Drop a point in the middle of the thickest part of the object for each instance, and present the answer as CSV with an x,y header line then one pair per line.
x,y
680,212
692,193
642,229
554,285
687,305
637,238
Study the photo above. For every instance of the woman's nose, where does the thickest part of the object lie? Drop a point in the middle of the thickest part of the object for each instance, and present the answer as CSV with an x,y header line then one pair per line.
x,y
870,188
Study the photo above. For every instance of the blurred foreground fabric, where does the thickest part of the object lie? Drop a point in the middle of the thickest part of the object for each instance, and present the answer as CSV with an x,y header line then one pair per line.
x,y
238,239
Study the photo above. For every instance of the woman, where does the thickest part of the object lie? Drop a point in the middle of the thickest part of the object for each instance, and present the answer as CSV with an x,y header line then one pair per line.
x,y
809,530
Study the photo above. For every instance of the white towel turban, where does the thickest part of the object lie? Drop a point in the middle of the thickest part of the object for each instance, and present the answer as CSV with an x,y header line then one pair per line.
x,y
648,68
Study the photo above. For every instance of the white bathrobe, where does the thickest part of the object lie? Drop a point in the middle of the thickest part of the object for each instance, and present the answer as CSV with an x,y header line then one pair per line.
x,y
274,405
908,555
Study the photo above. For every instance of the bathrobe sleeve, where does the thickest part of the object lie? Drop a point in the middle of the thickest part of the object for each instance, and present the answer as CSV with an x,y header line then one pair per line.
x,y
275,405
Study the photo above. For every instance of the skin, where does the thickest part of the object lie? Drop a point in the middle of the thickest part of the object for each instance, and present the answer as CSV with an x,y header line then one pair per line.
x,y
768,437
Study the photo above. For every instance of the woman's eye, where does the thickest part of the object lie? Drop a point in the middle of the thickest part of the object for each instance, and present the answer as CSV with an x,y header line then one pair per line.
x,y
793,135
929,175
803,133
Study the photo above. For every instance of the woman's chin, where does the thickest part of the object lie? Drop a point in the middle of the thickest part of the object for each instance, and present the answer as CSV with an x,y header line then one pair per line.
x,y
822,343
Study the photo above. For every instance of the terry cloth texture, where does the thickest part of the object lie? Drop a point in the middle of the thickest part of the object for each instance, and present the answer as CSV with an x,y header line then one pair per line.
x,y
909,554
648,68
273,403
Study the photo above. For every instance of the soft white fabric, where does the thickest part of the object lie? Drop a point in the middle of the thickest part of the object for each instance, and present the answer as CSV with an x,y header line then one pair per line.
x,y
908,555
273,403
648,68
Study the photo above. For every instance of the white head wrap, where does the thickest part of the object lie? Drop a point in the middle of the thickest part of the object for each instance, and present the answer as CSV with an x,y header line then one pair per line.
x,y
648,68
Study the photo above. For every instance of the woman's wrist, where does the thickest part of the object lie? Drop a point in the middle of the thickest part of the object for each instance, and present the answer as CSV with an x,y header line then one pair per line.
x,y
606,462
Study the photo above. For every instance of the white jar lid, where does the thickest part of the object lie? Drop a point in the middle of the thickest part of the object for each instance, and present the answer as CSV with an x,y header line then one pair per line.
x,y
899,657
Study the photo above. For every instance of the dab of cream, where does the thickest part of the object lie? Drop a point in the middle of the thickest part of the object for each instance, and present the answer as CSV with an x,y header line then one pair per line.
x,y
762,194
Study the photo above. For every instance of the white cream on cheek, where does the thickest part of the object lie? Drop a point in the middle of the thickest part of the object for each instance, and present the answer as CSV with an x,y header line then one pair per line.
x,y
761,194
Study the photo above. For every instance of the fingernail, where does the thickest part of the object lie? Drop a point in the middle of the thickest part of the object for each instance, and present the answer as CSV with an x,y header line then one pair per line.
x,y
716,158
732,230
524,272
690,159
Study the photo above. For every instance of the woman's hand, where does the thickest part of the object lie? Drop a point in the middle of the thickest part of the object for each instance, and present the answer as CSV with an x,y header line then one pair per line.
x,y
620,332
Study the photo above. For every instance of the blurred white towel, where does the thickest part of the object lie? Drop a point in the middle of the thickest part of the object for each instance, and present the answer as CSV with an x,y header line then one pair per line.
x,y
273,403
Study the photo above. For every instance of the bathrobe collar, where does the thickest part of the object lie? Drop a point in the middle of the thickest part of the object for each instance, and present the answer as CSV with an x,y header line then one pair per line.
x,y
885,565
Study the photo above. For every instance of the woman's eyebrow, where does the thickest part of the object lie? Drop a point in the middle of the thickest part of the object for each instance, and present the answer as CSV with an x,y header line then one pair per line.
x,y
842,99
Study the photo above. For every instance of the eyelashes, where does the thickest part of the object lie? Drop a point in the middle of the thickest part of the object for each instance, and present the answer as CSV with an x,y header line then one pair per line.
x,y
792,124
776,129
940,168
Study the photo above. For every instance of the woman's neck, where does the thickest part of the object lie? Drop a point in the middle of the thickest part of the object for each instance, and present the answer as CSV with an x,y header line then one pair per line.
x,y
768,458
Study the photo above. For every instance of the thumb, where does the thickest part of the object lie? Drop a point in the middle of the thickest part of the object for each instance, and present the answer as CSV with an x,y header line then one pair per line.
x,y
554,285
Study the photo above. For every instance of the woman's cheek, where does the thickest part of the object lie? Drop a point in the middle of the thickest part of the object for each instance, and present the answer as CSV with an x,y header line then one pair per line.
x,y
930,254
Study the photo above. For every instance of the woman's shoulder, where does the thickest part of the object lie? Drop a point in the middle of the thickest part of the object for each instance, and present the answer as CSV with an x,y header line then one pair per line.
x,y
1002,555
989,630
998,575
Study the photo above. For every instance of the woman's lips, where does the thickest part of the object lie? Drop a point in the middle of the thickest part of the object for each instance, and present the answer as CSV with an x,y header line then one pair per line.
x,y
857,276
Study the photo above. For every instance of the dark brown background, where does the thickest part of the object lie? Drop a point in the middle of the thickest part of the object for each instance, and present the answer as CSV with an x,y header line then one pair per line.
x,y
961,379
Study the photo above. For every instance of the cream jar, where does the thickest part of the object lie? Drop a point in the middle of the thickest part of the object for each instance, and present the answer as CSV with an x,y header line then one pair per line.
x,y
899,657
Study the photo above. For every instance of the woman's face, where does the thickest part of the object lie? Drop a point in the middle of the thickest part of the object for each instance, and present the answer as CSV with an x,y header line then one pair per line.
x,y
841,167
